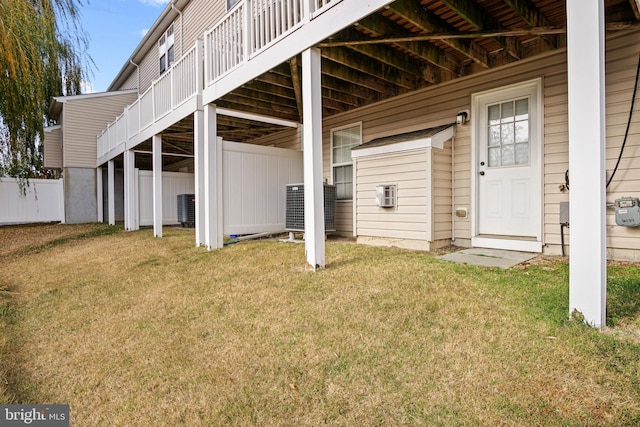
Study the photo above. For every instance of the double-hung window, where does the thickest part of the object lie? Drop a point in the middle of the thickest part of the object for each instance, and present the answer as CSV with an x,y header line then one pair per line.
x,y
342,140
166,53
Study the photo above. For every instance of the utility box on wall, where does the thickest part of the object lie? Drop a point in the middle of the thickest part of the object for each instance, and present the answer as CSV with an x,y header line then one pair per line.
x,y
628,211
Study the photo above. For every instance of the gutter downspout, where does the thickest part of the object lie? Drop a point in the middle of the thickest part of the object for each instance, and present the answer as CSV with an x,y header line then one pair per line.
x,y
179,12
137,72
453,190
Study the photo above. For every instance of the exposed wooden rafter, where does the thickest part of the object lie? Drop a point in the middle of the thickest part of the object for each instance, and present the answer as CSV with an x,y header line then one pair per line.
x,y
430,23
481,19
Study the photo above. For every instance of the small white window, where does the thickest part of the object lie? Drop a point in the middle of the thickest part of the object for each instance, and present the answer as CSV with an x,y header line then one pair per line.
x,y
165,50
342,140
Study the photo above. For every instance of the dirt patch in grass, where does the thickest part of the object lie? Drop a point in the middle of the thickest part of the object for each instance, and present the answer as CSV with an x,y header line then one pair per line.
x,y
132,330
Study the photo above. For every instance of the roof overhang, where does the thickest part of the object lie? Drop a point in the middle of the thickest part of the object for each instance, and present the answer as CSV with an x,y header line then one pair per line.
x,y
55,107
434,137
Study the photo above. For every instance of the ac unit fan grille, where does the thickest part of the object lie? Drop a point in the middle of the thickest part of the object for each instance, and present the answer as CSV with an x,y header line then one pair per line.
x,y
294,220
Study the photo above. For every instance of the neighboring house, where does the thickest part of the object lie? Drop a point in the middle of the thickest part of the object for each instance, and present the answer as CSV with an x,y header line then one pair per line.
x,y
70,147
440,122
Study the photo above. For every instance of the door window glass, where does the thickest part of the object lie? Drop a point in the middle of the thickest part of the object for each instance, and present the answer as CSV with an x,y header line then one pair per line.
x,y
508,133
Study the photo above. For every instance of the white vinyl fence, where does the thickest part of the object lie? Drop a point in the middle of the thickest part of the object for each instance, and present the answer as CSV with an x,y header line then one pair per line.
x,y
173,183
254,188
43,202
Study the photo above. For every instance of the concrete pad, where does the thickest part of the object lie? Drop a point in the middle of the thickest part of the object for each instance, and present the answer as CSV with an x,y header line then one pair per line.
x,y
489,257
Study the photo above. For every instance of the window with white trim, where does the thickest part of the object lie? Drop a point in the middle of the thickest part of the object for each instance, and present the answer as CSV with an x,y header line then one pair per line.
x,y
166,52
342,140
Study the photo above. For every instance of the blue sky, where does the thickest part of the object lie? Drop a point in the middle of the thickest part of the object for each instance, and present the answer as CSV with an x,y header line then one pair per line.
x,y
115,27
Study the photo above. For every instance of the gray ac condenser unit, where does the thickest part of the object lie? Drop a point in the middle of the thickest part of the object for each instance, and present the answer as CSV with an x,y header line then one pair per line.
x,y
294,218
187,210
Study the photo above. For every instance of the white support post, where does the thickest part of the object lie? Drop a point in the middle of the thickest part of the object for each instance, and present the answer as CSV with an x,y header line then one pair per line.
x,y
312,159
129,190
111,191
198,151
99,194
588,267
213,224
156,143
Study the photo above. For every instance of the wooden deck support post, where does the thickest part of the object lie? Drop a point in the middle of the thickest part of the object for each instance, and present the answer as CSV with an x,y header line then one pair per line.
x,y
156,143
198,154
213,224
111,191
588,263
312,159
130,220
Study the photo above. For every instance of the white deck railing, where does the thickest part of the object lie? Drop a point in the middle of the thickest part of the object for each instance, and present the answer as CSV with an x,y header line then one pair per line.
x,y
177,85
252,26
248,29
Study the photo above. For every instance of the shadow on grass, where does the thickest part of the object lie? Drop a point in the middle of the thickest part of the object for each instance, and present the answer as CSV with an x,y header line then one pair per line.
x,y
623,295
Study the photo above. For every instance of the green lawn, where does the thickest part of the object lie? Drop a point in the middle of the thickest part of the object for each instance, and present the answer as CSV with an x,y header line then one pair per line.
x,y
135,331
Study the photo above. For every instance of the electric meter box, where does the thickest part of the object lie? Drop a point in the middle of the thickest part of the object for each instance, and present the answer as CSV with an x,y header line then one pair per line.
x,y
628,211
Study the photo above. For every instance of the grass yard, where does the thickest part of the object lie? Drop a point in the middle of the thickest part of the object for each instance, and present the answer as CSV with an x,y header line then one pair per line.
x,y
135,331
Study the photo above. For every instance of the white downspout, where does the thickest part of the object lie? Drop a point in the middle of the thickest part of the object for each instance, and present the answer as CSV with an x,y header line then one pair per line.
x,y
453,189
179,12
138,73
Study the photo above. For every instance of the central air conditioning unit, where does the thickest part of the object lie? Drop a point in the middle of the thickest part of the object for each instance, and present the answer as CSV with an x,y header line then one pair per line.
x,y
187,209
294,220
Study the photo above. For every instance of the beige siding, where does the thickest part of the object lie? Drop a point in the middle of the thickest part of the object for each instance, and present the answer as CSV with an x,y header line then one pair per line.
x,y
131,82
197,16
441,193
53,148
83,119
622,57
200,15
410,218
439,105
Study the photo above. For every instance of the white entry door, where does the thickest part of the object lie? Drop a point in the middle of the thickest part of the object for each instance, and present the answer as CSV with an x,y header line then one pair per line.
x,y
507,170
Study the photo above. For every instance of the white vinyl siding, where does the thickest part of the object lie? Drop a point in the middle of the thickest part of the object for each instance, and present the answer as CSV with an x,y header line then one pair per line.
x,y
83,119
408,171
53,148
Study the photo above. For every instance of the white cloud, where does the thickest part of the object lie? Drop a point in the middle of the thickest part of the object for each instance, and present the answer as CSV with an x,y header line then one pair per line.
x,y
143,32
156,3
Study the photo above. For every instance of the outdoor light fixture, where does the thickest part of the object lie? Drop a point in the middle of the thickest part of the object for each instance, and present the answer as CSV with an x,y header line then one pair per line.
x,y
462,117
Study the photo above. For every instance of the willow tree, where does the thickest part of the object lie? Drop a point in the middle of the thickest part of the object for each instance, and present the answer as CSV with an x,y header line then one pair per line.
x,y
42,54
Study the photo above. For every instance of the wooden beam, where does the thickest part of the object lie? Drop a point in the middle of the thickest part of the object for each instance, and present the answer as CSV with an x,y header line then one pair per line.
x,y
635,6
289,113
376,69
536,31
337,84
378,26
531,16
297,83
430,23
481,19
333,69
